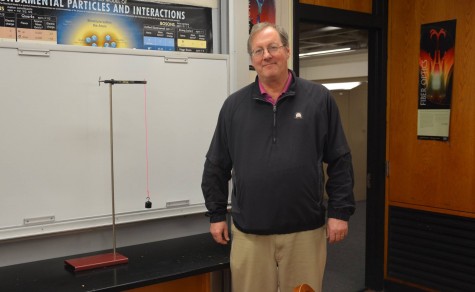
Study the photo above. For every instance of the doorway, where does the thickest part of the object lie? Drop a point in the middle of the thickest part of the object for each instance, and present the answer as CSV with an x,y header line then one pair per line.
x,y
364,34
337,57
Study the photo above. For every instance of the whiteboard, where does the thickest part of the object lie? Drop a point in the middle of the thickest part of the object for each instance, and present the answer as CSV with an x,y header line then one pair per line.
x,y
55,163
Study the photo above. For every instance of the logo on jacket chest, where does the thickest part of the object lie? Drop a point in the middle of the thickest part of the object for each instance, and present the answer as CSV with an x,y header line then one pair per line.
x,y
298,116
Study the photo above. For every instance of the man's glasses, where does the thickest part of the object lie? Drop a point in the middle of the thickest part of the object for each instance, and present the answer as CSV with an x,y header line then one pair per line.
x,y
259,52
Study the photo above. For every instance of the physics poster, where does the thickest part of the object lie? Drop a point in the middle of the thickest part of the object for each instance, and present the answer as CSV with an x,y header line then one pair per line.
x,y
108,23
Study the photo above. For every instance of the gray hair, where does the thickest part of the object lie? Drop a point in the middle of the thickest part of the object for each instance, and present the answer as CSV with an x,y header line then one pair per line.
x,y
284,37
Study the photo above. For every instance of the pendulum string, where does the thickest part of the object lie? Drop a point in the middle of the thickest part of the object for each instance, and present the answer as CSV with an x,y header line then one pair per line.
x,y
148,204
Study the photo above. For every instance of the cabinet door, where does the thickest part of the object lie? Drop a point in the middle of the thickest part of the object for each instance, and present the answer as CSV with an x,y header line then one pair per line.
x,y
198,283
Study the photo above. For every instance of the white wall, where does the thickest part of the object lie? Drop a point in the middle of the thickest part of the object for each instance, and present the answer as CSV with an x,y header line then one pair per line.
x,y
238,34
335,67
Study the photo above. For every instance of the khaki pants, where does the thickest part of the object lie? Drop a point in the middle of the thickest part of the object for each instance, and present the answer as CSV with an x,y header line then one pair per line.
x,y
261,263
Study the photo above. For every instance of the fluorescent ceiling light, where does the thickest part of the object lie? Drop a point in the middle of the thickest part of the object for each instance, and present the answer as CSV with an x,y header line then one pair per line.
x,y
341,85
324,52
329,28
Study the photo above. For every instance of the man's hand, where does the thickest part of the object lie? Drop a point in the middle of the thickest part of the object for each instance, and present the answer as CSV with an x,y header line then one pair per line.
x,y
219,231
336,230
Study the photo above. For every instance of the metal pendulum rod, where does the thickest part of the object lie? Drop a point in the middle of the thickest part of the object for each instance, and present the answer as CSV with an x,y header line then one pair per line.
x,y
104,260
111,82
112,169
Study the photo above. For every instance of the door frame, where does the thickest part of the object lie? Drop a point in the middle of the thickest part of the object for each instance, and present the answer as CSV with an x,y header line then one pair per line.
x,y
377,25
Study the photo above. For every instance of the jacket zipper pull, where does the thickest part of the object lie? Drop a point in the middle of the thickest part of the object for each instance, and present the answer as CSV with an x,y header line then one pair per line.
x,y
274,109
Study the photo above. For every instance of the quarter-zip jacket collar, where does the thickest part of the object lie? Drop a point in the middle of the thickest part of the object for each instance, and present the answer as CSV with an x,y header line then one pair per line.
x,y
258,96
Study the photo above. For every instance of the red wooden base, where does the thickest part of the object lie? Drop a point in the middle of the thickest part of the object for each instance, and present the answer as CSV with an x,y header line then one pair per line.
x,y
96,261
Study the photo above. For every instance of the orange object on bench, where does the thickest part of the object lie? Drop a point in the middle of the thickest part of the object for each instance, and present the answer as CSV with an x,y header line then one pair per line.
x,y
303,288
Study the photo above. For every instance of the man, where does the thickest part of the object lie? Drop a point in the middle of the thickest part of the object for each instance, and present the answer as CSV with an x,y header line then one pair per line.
x,y
272,137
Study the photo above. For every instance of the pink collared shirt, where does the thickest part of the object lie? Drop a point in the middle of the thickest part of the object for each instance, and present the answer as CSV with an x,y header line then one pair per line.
x,y
268,97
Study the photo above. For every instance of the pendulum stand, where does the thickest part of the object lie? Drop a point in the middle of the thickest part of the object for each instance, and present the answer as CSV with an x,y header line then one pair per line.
x,y
114,258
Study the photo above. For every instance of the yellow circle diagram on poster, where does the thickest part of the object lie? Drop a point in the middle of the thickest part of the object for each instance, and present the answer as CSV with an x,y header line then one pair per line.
x,y
99,32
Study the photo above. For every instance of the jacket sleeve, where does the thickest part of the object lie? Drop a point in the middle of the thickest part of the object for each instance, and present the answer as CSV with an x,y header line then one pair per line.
x,y
217,173
339,187
215,190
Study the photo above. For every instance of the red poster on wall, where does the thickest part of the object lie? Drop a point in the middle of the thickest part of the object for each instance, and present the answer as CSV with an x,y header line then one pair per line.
x,y
261,11
436,67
